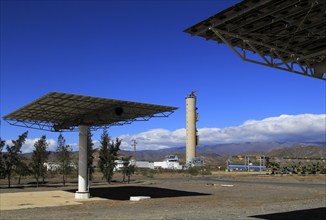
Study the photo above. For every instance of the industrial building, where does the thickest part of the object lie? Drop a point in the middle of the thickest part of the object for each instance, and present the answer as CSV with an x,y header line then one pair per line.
x,y
170,162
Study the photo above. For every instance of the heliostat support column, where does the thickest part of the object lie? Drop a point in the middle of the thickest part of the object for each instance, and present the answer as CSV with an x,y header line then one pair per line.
x,y
191,130
82,192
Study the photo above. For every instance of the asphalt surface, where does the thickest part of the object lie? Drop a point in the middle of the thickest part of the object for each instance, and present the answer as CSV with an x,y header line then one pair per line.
x,y
182,197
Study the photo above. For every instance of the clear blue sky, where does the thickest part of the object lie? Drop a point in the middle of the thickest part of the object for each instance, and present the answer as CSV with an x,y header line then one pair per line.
x,y
136,51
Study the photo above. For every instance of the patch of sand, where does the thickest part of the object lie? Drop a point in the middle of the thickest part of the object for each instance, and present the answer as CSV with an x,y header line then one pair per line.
x,y
23,200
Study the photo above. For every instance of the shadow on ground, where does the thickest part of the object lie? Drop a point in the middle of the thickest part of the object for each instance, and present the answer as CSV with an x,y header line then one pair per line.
x,y
124,192
313,214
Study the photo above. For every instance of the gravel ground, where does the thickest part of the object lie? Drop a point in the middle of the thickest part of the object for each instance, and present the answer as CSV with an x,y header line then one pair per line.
x,y
210,197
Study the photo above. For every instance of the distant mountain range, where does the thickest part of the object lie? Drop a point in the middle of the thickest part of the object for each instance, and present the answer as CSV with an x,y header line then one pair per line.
x,y
252,147
222,150
217,154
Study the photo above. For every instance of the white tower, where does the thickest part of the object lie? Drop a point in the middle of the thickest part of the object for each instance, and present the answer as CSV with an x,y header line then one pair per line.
x,y
191,130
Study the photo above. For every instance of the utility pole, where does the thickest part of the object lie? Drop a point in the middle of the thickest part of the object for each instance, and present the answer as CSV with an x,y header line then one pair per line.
x,y
134,143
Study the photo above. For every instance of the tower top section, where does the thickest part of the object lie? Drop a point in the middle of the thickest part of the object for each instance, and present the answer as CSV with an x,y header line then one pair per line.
x,y
192,94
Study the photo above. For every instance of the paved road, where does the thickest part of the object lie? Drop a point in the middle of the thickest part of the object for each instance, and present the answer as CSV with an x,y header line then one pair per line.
x,y
264,182
194,198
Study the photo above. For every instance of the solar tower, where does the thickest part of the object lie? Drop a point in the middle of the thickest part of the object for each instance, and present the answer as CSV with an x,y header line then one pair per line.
x,y
191,129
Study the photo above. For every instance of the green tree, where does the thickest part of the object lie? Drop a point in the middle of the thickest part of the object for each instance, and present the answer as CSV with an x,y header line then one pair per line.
x,y
2,164
125,163
64,157
22,169
193,171
274,166
39,157
2,144
128,169
108,155
12,157
90,151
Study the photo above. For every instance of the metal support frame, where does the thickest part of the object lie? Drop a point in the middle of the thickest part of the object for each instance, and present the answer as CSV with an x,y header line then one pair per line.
x,y
50,126
296,64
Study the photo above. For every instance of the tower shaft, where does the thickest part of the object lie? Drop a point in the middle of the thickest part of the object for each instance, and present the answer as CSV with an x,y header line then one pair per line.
x,y
191,130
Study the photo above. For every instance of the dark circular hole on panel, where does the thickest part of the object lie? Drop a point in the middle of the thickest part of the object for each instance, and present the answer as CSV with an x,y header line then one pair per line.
x,y
118,111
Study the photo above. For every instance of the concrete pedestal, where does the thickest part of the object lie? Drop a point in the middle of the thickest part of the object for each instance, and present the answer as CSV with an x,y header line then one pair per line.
x,y
82,195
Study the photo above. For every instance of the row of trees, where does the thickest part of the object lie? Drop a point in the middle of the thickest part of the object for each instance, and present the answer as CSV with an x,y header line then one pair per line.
x,y
297,168
12,162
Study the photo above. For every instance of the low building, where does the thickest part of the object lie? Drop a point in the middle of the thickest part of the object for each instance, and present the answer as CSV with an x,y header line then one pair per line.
x,y
246,168
119,165
52,166
144,165
170,162
139,164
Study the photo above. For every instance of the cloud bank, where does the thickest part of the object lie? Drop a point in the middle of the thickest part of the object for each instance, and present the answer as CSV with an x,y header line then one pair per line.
x,y
283,128
29,144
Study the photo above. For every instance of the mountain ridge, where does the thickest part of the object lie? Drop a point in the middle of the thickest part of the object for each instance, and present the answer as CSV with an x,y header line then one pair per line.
x,y
236,148
219,152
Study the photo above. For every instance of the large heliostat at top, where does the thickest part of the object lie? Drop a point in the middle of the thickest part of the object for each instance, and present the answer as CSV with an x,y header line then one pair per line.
x,y
284,34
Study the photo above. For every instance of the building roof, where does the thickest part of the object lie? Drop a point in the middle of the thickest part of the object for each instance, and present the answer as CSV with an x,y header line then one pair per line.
x,y
284,34
61,111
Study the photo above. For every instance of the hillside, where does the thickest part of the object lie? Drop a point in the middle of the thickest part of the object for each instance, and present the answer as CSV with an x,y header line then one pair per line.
x,y
299,152
211,157
217,155
223,149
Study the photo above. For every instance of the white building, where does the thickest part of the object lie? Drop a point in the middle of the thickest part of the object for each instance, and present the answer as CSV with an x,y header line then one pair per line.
x,y
119,165
144,164
138,164
170,162
51,166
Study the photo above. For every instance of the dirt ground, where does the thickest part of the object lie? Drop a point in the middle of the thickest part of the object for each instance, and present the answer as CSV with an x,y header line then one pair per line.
x,y
175,196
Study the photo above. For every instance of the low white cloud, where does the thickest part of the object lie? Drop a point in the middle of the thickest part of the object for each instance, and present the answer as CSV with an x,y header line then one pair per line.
x,y
292,128
154,139
28,146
